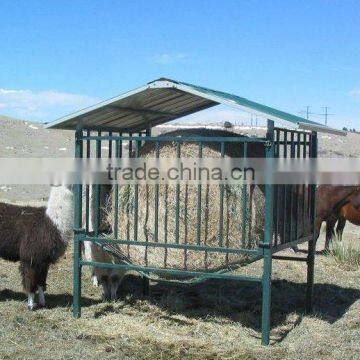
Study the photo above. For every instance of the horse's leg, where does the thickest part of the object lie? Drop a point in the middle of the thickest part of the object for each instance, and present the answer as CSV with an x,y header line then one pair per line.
x,y
318,223
340,227
330,233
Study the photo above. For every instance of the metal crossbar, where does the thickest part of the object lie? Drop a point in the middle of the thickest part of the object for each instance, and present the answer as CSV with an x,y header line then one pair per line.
x,y
174,272
219,249
163,138
125,261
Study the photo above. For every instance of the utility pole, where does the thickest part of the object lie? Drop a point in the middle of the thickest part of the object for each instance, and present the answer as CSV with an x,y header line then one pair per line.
x,y
307,112
326,114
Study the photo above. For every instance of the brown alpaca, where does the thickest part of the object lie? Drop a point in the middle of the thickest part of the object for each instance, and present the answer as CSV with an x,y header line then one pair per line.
x,y
37,237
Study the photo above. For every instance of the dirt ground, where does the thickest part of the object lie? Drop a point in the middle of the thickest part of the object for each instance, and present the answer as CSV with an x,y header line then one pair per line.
x,y
217,319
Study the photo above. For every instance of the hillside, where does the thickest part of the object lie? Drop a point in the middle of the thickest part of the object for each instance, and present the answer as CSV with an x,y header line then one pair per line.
x,y
19,138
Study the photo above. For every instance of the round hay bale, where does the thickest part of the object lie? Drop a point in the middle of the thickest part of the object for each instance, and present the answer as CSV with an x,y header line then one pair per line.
x,y
189,229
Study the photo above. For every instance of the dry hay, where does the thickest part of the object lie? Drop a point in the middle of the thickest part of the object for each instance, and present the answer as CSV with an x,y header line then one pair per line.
x,y
233,217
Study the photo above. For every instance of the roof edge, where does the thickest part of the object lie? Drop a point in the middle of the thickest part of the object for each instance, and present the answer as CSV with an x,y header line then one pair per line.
x,y
217,97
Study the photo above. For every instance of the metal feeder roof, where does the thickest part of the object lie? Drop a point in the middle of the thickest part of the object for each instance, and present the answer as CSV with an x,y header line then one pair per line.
x,y
164,100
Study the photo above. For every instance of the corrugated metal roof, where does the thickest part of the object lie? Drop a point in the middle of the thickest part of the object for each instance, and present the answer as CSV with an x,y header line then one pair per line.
x,y
164,100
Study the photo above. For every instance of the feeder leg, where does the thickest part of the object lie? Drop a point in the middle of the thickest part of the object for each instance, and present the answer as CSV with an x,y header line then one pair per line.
x,y
267,251
79,233
266,298
310,275
312,242
77,278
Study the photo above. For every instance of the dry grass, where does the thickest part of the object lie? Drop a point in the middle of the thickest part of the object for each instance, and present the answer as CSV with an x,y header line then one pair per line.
x,y
218,319
346,254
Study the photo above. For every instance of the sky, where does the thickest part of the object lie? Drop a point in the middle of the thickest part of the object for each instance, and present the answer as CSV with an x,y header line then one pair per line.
x,y
60,56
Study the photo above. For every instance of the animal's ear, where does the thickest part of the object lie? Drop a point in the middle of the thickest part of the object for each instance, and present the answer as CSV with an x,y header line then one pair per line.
x,y
70,187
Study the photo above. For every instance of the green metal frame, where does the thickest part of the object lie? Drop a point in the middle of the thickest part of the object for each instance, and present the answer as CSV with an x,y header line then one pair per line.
x,y
267,248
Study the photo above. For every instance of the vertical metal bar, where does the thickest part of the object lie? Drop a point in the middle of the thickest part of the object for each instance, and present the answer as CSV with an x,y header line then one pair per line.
x,y
298,144
186,202
130,145
78,187
276,190
291,189
110,151
304,192
285,143
177,199
97,190
198,233
266,278
156,220
110,145
311,146
281,198
284,215
297,194
136,195
206,225
221,205
312,242
78,233
118,153
244,204
308,188
227,227
120,145
87,188
166,204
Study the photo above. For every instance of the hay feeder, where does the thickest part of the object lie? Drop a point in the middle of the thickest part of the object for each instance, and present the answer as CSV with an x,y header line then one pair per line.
x,y
194,231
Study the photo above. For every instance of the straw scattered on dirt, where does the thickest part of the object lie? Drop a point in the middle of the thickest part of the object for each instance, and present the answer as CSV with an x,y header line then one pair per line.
x,y
218,319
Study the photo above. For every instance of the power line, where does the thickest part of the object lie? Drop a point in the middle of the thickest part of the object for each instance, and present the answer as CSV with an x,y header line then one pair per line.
x,y
307,112
326,114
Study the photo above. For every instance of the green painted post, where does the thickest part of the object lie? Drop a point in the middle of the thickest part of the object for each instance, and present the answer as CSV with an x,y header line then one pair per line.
x,y
266,245
78,233
97,191
312,242
244,204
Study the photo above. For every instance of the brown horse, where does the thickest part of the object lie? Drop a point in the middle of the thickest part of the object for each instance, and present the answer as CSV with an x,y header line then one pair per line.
x,y
336,203
347,212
